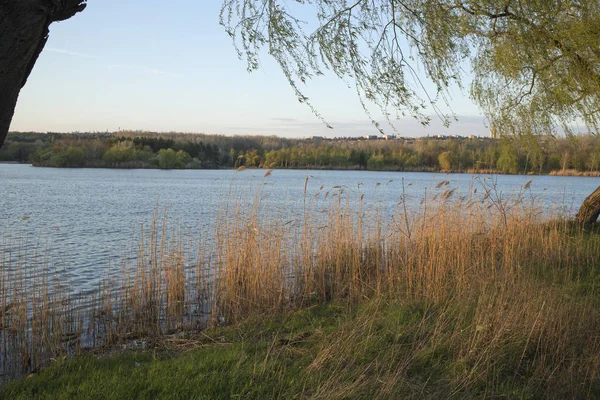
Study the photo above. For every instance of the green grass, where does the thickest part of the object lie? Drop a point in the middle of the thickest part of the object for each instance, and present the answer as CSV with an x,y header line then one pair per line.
x,y
380,349
261,358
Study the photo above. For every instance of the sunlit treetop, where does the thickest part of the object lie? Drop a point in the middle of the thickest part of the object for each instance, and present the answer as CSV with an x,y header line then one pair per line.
x,y
533,66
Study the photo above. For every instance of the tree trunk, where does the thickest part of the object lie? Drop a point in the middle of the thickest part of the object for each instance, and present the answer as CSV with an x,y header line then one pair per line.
x,y
23,33
590,209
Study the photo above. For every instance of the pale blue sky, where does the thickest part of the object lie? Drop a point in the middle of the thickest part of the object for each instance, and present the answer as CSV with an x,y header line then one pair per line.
x,y
169,66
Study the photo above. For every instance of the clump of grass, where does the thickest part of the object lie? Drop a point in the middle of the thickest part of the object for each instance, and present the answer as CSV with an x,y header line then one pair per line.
x,y
383,348
474,295
38,321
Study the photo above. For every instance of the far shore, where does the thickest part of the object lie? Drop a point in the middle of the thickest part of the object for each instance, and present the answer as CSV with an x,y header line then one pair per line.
x,y
566,172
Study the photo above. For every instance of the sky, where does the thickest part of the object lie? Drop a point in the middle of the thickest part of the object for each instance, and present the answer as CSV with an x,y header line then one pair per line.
x,y
166,66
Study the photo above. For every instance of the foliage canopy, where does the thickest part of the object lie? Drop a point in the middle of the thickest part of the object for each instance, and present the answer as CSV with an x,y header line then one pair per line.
x,y
535,64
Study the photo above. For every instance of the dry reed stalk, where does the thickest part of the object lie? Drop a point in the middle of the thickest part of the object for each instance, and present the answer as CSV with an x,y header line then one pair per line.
x,y
484,257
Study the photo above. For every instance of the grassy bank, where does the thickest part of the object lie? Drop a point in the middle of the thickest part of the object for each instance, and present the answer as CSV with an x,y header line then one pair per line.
x,y
384,348
470,296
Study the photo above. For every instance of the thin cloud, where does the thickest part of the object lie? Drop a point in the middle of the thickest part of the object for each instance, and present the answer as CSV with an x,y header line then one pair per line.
x,y
143,68
140,68
466,125
285,120
69,53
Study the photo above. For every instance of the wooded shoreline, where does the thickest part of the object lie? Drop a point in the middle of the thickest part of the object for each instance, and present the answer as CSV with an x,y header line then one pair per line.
x,y
572,156
567,173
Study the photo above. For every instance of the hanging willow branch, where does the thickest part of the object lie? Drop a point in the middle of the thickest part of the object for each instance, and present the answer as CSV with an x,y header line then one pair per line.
x,y
532,66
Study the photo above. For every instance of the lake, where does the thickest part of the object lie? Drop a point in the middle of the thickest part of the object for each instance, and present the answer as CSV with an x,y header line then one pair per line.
x,y
82,219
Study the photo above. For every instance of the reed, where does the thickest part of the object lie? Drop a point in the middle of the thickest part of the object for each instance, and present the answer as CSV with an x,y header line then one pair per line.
x,y
494,278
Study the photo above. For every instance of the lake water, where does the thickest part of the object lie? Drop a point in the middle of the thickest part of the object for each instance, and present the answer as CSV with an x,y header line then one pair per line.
x,y
83,218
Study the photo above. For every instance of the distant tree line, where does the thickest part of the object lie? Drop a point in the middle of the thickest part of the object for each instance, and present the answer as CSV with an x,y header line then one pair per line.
x,y
511,155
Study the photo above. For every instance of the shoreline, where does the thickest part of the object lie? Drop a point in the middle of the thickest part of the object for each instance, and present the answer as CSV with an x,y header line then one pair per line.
x,y
562,173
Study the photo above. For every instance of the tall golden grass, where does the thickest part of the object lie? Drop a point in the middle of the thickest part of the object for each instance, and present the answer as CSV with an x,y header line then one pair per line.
x,y
496,268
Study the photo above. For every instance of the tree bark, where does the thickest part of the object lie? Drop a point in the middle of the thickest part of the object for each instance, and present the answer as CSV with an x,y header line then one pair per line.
x,y
24,28
590,209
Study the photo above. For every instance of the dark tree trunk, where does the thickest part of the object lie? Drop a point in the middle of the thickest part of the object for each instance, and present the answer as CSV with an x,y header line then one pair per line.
x,y
590,209
23,34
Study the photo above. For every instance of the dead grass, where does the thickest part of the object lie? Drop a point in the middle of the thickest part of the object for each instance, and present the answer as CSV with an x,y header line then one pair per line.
x,y
574,172
498,287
